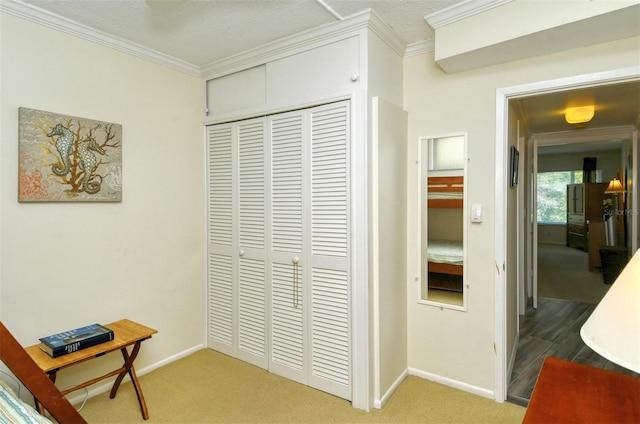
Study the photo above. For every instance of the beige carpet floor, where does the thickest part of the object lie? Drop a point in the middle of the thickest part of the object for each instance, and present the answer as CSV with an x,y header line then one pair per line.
x,y
209,387
563,273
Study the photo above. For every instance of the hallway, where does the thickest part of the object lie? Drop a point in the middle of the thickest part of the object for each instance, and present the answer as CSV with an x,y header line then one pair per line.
x,y
553,329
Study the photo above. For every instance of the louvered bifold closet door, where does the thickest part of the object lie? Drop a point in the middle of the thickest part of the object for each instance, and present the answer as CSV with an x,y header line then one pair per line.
x,y
220,238
287,223
279,245
252,253
330,367
237,254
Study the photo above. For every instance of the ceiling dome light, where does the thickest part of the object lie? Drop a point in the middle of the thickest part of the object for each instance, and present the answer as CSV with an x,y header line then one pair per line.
x,y
579,115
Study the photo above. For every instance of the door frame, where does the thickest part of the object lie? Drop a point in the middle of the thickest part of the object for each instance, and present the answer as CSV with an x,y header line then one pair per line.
x,y
503,95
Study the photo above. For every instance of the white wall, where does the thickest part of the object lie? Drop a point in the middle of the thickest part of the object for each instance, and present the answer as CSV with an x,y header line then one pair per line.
x,y
387,149
552,234
608,161
64,265
519,29
389,227
453,346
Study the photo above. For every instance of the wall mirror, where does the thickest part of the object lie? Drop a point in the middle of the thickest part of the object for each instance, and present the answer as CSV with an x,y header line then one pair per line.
x,y
443,220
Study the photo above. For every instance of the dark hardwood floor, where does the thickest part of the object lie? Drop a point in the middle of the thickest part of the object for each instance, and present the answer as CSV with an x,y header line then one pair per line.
x,y
552,330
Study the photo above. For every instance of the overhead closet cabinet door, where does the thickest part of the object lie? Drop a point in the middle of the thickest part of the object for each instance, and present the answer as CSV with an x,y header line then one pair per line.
x,y
279,249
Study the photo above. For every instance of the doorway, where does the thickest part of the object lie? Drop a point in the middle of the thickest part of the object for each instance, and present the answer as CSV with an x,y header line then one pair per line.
x,y
570,281
570,172
508,312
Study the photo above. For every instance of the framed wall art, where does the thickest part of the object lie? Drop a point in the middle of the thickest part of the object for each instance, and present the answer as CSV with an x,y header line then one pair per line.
x,y
514,161
68,159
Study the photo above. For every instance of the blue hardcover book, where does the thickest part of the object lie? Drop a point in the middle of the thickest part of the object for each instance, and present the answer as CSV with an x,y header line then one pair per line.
x,y
73,340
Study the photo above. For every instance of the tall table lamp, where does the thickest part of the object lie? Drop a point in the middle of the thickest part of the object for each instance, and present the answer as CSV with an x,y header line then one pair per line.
x,y
615,187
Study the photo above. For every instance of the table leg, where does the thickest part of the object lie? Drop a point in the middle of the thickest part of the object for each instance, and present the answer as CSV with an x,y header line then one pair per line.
x,y
128,368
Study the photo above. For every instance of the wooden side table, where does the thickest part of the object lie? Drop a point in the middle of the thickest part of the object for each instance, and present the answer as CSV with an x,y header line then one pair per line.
x,y
126,333
567,392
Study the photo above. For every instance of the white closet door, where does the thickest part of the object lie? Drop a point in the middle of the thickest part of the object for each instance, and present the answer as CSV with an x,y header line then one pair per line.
x,y
330,368
252,253
279,246
221,251
237,240
287,283
310,225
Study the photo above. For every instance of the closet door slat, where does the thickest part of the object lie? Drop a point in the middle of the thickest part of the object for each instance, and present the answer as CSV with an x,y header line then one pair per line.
x,y
286,180
220,185
329,179
251,181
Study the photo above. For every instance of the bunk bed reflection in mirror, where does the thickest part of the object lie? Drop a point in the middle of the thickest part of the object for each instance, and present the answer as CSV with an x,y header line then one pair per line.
x,y
442,220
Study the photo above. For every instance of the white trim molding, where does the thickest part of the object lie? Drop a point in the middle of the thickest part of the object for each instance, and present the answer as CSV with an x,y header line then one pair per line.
x,y
460,11
420,47
259,55
322,35
51,20
503,95
456,384
379,403
588,135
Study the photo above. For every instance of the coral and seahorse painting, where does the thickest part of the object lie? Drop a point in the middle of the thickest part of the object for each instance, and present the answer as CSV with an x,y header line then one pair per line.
x,y
68,159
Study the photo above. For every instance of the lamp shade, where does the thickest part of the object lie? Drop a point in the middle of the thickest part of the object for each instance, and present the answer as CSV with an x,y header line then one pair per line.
x,y
579,115
615,187
613,329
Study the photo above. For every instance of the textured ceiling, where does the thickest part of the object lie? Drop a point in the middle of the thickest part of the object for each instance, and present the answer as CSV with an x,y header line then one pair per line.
x,y
615,105
202,32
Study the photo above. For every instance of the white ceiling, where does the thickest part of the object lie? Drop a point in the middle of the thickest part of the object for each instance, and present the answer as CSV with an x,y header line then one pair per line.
x,y
615,105
198,33
202,32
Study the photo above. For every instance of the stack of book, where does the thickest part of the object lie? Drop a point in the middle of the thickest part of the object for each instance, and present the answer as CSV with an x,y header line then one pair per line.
x,y
74,340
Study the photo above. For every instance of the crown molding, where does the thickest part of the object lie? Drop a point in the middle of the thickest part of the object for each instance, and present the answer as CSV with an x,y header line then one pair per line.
x,y
386,33
420,47
48,19
287,46
366,19
460,11
588,135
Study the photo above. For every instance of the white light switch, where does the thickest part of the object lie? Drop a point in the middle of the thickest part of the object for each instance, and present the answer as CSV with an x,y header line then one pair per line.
x,y
476,213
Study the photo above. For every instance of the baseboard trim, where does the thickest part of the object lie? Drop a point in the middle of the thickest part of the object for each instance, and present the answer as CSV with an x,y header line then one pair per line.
x,y
453,383
379,403
105,386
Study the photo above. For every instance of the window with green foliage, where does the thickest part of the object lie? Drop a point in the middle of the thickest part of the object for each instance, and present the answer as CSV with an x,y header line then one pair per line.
x,y
552,195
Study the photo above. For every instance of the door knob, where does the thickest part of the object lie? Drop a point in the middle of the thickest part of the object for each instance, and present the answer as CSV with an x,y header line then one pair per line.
x,y
241,252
